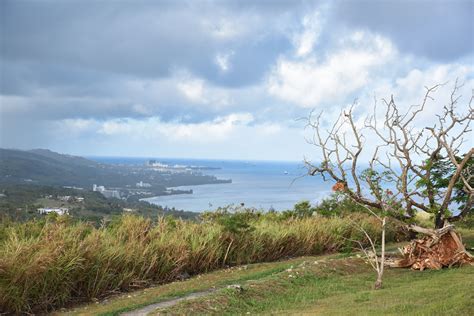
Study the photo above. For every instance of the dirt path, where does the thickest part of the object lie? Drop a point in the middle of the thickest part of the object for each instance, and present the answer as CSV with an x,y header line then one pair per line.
x,y
153,307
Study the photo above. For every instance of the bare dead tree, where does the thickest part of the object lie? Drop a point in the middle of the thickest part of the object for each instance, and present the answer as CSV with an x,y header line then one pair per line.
x,y
403,156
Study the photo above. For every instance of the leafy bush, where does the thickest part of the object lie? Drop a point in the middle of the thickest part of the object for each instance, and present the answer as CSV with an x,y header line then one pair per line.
x,y
337,204
467,222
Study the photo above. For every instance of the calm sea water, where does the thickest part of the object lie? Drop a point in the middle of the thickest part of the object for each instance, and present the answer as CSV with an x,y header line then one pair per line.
x,y
258,184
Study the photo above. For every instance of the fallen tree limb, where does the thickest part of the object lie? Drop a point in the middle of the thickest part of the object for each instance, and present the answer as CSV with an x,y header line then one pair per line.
x,y
431,232
437,249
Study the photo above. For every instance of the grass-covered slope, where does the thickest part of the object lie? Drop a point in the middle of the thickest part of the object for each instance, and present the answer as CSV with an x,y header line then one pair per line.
x,y
341,287
46,266
323,285
218,279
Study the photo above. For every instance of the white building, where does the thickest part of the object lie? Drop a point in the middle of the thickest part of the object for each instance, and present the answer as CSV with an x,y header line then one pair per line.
x,y
111,193
105,192
59,211
142,184
98,188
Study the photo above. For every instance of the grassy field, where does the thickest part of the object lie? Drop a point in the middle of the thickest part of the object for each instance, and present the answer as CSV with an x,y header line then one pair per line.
x,y
221,278
335,284
49,265
340,287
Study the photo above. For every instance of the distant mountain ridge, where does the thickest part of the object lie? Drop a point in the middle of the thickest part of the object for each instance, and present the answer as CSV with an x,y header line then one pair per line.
x,y
65,157
47,167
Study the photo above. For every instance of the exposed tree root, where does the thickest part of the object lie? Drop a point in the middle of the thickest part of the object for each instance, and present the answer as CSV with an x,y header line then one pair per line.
x,y
437,249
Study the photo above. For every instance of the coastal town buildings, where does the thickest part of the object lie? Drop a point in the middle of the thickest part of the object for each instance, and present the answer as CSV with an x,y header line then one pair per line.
x,y
59,211
105,192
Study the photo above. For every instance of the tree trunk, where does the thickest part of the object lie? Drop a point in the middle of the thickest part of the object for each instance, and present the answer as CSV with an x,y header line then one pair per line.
x,y
439,222
378,282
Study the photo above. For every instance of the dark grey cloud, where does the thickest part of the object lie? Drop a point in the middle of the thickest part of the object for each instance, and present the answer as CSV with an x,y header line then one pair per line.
x,y
26,77
140,38
437,29
97,60
73,59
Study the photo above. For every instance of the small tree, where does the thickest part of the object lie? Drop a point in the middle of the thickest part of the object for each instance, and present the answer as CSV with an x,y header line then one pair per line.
x,y
401,155
387,203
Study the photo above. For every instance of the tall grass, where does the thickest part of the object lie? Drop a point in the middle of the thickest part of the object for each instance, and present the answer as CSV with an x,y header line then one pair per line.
x,y
46,265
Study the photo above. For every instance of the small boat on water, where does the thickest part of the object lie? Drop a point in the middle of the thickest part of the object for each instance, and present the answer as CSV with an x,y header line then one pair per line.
x,y
285,172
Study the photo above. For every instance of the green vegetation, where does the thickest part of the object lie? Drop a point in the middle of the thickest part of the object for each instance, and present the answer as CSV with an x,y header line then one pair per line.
x,y
48,262
64,261
325,285
337,204
440,170
20,203
340,287
134,300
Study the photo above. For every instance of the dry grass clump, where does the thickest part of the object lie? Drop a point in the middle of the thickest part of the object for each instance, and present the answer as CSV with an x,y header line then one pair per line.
x,y
45,265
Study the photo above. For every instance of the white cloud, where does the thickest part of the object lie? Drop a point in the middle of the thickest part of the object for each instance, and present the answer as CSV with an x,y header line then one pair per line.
x,y
73,128
152,128
216,130
223,62
122,126
79,125
197,91
304,41
193,89
238,135
410,88
310,82
141,109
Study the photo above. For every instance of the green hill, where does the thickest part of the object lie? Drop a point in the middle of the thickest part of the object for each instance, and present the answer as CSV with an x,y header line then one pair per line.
x,y
42,166
45,167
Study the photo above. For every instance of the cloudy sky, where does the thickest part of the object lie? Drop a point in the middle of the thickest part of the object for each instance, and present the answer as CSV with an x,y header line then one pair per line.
x,y
216,79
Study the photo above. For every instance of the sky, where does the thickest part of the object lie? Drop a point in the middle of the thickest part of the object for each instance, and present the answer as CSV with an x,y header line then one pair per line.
x,y
218,79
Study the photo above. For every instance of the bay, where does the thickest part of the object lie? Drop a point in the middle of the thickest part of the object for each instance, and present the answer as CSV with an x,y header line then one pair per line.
x,y
259,184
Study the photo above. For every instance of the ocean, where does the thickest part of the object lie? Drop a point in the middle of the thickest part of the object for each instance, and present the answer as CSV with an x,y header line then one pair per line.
x,y
259,184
